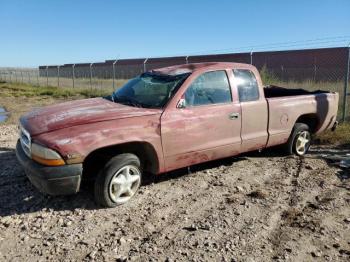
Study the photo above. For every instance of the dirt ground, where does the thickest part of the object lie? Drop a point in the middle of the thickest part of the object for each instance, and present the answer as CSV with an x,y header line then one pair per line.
x,y
254,207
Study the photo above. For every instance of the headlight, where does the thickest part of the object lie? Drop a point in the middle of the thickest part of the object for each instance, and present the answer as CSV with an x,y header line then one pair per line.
x,y
46,156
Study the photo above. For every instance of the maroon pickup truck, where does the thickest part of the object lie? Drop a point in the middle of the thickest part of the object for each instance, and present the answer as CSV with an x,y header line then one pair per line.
x,y
163,120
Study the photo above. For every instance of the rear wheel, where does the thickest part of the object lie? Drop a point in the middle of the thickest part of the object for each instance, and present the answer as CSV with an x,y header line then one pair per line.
x,y
300,140
119,180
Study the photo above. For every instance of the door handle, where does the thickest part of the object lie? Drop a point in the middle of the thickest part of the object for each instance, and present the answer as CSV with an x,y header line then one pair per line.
x,y
233,116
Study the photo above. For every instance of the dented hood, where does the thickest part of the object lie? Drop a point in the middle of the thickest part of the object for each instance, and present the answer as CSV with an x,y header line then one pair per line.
x,y
79,112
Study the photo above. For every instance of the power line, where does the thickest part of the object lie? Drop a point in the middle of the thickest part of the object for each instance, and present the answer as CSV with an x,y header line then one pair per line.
x,y
307,44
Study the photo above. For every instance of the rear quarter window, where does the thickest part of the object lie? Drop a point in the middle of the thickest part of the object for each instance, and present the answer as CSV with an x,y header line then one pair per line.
x,y
247,85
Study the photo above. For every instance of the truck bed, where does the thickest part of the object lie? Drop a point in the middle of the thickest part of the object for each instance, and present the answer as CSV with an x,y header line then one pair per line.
x,y
286,105
272,91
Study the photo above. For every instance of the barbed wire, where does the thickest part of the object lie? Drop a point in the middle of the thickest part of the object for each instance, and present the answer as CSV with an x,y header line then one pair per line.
x,y
317,42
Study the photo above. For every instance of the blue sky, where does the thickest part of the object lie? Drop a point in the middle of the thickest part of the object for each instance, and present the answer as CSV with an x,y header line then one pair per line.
x,y
64,31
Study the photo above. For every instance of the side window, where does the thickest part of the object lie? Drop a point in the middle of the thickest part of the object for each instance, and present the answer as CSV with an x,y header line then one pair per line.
x,y
248,89
209,88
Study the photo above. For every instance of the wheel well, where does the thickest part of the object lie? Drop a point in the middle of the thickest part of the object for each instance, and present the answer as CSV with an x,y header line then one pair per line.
x,y
309,119
97,159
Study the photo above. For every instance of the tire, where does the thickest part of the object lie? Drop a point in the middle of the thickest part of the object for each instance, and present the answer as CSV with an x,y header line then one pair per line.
x,y
301,132
118,181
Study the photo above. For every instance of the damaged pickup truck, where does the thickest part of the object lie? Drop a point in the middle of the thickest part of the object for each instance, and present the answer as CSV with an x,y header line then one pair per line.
x,y
162,120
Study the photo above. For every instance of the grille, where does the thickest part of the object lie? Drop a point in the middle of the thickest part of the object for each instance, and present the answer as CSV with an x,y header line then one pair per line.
x,y
24,137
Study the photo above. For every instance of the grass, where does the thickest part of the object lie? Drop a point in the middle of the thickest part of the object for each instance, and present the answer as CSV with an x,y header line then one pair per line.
x,y
26,90
268,78
17,98
341,136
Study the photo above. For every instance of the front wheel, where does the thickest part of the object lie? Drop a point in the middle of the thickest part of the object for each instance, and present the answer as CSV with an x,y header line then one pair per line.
x,y
300,140
119,180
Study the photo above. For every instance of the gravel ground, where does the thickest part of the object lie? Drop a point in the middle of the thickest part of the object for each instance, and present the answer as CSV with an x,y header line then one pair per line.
x,y
255,207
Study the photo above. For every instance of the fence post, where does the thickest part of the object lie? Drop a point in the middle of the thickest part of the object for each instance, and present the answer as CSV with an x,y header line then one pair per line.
x,y
144,65
22,77
29,77
47,76
58,76
91,75
15,76
73,74
113,66
346,84
37,77
251,57
315,72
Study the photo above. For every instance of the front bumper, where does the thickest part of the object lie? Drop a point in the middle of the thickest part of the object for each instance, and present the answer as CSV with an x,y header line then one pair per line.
x,y
52,180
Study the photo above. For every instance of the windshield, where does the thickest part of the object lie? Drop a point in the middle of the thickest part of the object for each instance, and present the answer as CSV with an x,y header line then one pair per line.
x,y
149,90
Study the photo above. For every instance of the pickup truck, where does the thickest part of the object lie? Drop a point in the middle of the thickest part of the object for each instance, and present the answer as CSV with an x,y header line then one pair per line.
x,y
162,120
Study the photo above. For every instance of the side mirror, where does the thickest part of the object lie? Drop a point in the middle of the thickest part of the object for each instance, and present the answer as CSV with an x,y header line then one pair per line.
x,y
181,103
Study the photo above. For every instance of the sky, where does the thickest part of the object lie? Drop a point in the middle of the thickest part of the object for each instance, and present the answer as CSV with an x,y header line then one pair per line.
x,y
43,32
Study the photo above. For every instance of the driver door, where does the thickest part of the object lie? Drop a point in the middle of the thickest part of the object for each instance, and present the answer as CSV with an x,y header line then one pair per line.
x,y
207,127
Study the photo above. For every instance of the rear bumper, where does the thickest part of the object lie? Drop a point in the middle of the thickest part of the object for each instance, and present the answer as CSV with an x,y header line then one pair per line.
x,y
57,180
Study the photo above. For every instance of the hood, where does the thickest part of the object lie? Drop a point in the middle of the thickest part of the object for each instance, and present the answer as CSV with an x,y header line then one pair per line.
x,y
79,112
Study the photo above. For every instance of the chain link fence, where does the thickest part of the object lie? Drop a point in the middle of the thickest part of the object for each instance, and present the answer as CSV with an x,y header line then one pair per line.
x,y
312,69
